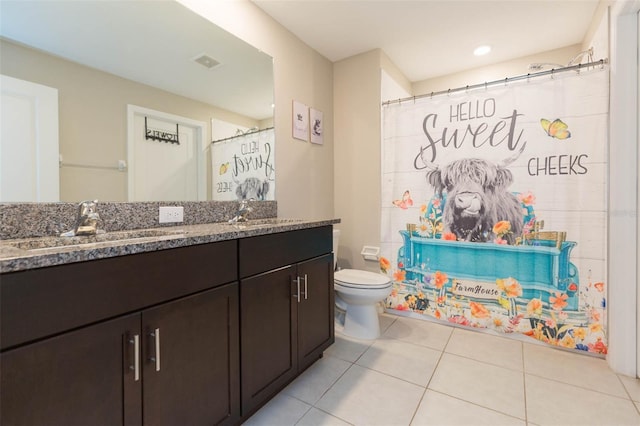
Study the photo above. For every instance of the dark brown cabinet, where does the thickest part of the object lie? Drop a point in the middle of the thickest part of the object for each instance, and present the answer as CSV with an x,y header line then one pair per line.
x,y
78,378
168,363
199,335
176,363
268,337
315,311
190,362
286,313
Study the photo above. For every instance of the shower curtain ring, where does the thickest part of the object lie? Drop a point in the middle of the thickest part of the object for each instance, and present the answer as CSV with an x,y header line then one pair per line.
x,y
431,95
448,92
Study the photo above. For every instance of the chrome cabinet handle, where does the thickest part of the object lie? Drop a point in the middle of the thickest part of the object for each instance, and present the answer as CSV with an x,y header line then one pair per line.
x,y
156,338
306,292
136,357
297,295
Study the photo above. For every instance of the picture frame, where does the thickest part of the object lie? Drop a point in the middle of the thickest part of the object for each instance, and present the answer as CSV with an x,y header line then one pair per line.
x,y
300,120
316,126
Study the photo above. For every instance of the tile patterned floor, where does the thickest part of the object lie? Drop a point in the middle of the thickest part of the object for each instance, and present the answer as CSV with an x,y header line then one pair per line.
x,y
423,373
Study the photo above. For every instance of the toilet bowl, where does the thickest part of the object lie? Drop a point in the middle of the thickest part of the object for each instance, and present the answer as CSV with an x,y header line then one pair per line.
x,y
357,293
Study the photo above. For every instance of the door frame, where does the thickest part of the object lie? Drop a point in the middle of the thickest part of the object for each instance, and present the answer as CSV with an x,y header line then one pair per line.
x,y
623,223
45,160
200,131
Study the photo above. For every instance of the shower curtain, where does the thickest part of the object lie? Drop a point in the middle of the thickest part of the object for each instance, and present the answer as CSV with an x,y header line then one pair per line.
x,y
244,167
494,207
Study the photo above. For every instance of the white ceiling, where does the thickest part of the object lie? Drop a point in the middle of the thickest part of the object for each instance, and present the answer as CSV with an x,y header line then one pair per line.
x,y
431,38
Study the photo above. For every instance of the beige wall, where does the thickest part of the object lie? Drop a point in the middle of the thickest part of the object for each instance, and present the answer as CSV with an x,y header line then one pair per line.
x,y
92,117
494,72
357,155
304,171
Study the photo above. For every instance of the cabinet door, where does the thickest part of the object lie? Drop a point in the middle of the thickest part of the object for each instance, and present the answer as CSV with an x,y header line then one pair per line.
x,y
316,309
268,339
191,372
78,378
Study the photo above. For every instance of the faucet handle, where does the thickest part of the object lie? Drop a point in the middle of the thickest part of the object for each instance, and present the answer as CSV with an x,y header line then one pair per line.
x,y
87,207
86,220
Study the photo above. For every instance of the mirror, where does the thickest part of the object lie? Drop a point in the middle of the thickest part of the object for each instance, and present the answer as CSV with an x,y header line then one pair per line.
x,y
103,56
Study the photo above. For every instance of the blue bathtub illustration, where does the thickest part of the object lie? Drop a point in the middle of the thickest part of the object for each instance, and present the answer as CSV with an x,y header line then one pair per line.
x,y
542,267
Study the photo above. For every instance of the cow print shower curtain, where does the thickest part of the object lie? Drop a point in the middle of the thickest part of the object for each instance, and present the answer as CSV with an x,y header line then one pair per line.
x,y
494,207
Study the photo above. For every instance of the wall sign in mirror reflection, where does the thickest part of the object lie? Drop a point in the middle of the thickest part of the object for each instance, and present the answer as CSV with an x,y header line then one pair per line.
x,y
161,135
143,57
243,166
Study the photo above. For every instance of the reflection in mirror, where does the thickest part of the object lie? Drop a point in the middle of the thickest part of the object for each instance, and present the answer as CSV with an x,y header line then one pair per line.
x,y
104,58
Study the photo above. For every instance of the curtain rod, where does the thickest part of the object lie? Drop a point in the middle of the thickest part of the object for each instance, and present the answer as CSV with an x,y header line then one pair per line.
x,y
552,71
243,134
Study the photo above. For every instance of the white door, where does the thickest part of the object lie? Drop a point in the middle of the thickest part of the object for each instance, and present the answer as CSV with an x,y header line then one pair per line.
x,y
29,167
162,170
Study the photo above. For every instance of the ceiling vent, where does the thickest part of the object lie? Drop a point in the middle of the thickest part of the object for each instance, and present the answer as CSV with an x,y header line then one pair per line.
x,y
206,61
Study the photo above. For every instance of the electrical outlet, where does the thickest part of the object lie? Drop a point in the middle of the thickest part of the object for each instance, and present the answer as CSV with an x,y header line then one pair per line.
x,y
171,214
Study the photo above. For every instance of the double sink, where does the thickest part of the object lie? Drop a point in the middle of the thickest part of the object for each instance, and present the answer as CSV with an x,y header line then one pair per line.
x,y
34,245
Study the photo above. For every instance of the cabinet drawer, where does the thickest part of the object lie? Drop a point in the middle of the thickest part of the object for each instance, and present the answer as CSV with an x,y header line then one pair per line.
x,y
42,302
266,252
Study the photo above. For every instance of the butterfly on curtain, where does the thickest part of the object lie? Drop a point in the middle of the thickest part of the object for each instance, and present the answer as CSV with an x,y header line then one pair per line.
x,y
556,128
406,201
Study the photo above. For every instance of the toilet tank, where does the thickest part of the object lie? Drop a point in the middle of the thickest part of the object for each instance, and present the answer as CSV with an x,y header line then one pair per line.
x,y
336,238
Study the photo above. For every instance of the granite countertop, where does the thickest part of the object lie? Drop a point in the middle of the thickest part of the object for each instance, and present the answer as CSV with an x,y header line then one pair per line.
x,y
30,253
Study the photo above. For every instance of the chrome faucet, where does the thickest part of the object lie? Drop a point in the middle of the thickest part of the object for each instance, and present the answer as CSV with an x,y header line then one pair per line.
x,y
86,220
243,210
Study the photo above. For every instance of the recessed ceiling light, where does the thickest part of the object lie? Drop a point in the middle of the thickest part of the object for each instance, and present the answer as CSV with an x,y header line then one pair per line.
x,y
482,50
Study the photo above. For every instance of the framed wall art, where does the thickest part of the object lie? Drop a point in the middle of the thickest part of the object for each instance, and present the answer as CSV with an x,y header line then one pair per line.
x,y
316,126
300,121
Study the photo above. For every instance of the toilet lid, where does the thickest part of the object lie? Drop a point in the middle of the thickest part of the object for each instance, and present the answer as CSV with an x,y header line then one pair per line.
x,y
357,278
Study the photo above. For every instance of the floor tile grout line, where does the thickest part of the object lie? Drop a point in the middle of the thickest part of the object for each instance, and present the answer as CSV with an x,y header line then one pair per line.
x,y
415,344
479,405
637,406
305,413
484,362
524,384
313,405
411,343
332,384
389,375
345,372
426,388
332,415
578,386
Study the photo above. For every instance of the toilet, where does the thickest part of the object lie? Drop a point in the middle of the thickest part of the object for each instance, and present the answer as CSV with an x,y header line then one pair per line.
x,y
357,294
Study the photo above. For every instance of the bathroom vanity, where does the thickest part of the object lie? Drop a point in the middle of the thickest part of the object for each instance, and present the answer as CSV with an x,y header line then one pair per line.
x,y
203,326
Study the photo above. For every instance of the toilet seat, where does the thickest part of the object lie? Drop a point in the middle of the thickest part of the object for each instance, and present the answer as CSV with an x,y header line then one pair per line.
x,y
365,280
